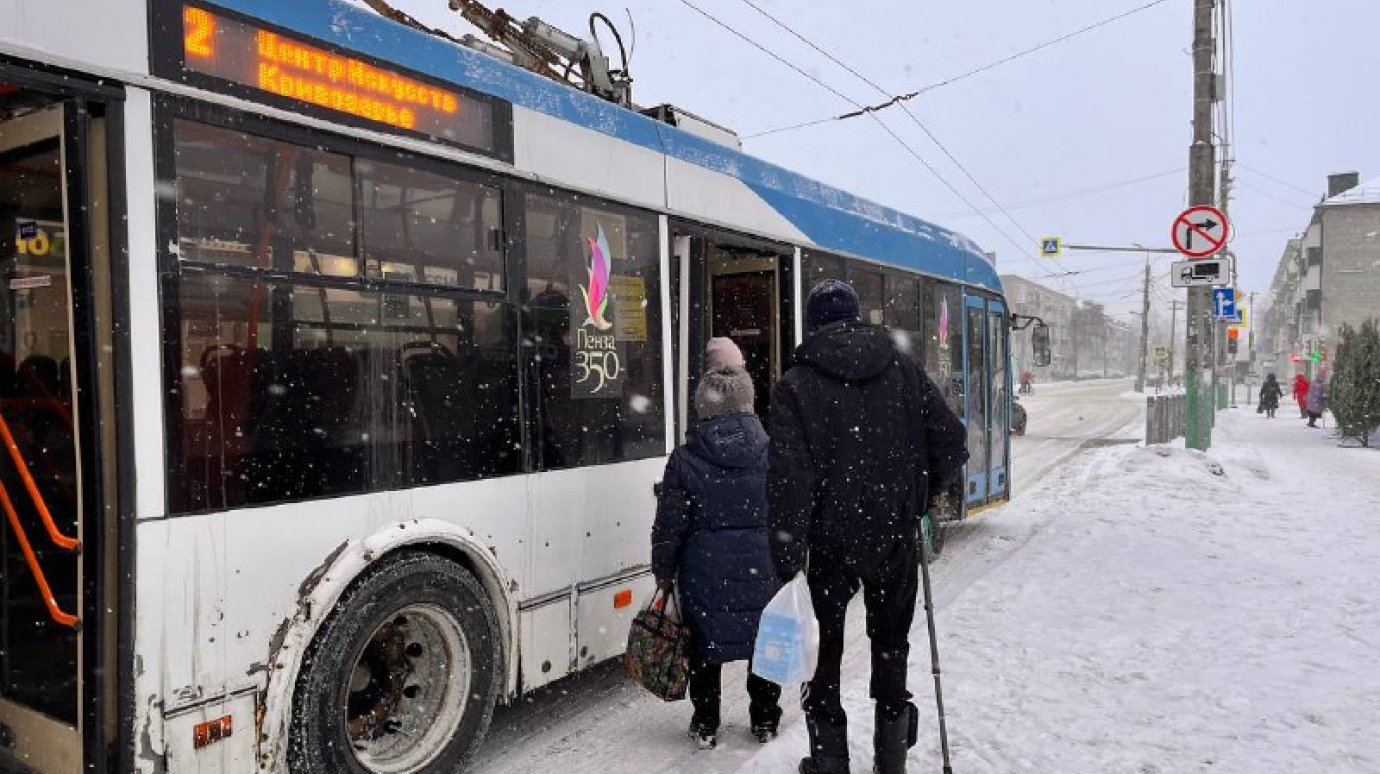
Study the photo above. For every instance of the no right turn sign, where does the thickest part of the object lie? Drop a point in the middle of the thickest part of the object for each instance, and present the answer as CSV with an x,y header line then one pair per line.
x,y
1200,231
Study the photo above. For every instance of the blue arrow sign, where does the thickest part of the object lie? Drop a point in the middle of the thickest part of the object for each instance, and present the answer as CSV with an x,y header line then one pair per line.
x,y
1224,303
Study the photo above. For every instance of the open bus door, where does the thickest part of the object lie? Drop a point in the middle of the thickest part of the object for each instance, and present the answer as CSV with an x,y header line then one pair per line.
x,y
738,287
986,406
53,249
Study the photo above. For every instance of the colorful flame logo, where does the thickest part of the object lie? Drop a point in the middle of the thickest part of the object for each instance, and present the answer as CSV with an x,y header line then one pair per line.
x,y
944,323
597,294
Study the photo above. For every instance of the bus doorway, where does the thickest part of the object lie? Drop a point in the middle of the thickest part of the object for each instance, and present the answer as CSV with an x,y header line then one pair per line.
x,y
49,432
736,288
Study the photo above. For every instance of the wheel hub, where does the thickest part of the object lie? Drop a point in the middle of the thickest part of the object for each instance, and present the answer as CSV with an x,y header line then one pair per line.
x,y
408,690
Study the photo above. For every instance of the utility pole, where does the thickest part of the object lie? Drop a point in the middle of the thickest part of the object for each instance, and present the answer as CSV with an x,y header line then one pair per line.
x,y
1226,364
1198,425
1144,327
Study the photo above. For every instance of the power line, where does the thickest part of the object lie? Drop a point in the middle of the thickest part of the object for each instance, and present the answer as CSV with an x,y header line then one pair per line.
x,y
1027,203
899,140
906,108
1276,180
770,53
902,98
1272,197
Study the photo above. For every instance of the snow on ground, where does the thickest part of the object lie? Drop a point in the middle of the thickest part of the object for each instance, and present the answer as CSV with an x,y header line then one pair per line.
x,y
1169,611
1129,611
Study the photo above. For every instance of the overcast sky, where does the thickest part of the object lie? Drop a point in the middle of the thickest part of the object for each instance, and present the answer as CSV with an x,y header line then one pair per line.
x,y
1094,113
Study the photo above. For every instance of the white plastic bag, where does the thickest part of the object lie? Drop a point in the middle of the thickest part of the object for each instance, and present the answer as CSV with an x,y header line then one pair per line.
x,y
787,646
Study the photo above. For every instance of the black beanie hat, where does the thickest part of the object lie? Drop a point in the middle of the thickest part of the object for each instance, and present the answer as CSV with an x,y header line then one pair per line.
x,y
831,301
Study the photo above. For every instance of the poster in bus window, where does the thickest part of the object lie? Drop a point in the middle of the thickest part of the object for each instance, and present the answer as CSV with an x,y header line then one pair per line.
x,y
598,358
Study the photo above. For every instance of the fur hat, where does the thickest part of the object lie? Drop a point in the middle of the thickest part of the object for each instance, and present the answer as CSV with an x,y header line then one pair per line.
x,y
721,352
831,301
724,391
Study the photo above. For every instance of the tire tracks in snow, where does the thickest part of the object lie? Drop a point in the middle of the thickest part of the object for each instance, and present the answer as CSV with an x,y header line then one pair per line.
x,y
598,722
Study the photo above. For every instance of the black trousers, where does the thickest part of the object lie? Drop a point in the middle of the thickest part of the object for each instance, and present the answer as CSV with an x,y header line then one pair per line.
x,y
889,590
764,696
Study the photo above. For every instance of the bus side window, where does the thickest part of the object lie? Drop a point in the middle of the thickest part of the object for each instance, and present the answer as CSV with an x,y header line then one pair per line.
x,y
592,354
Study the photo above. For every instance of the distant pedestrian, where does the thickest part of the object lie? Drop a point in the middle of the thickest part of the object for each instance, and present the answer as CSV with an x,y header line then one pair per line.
x,y
1270,393
710,542
1026,382
861,439
1317,399
1301,393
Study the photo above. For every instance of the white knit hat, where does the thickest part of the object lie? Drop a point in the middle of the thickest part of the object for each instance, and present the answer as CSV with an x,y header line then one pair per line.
x,y
721,352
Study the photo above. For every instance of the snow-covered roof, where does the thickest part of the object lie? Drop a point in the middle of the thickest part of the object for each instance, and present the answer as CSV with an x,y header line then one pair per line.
x,y
1367,192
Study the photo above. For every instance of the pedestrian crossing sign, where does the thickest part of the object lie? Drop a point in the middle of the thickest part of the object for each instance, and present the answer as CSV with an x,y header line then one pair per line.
x,y
1050,247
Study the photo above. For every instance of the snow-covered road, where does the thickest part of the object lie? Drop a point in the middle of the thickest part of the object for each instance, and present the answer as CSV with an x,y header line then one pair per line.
x,y
599,723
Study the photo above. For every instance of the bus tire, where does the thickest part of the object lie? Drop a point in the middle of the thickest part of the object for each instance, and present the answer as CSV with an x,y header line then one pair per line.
x,y
402,676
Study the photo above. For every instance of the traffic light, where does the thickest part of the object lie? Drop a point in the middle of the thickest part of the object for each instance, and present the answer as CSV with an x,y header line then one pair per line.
x,y
1232,334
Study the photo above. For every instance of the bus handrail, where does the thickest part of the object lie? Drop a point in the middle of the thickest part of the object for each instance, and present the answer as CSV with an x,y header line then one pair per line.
x,y
54,611
54,534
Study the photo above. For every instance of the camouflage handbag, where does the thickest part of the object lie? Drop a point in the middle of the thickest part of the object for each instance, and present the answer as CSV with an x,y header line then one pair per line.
x,y
658,654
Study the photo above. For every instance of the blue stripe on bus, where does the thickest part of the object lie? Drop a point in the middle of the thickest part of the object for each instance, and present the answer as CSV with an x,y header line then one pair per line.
x,y
832,218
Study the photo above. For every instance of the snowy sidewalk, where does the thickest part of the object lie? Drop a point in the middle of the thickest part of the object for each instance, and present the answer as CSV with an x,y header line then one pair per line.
x,y
1168,612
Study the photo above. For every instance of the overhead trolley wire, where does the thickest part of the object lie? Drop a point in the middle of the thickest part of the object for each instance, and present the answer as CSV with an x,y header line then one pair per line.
x,y
899,140
851,70
1031,240
1052,198
900,99
1276,180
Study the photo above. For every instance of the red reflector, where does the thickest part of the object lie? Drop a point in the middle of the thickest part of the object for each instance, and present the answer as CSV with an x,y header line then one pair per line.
x,y
211,731
622,599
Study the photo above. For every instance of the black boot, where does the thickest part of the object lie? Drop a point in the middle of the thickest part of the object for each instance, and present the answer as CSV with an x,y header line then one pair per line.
x,y
765,723
892,736
828,747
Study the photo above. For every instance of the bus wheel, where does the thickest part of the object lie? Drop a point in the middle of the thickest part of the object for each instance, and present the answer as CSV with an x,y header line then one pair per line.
x,y
402,677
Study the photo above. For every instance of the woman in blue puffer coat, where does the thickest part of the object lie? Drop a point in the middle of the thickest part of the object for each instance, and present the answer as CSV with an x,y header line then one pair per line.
x,y
710,541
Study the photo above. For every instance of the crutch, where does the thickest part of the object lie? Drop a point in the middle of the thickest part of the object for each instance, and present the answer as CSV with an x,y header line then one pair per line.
x,y
934,645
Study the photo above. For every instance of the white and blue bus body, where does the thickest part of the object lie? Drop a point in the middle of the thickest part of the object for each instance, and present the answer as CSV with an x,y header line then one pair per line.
x,y
394,299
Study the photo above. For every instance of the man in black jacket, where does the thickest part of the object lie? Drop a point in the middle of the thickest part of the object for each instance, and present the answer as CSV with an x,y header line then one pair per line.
x,y
859,435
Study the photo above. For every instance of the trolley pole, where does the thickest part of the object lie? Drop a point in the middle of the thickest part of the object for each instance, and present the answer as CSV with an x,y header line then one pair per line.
x,y
1201,166
1144,327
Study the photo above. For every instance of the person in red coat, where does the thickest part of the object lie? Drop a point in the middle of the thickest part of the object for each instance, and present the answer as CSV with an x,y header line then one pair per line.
x,y
1301,393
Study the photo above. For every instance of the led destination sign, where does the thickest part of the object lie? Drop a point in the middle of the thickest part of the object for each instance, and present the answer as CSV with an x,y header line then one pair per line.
x,y
286,66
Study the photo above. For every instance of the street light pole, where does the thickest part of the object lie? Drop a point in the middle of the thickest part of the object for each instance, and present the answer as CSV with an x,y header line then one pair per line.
x,y
1144,326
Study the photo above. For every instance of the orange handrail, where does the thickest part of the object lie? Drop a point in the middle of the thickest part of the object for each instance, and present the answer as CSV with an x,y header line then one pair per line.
x,y
59,539
58,614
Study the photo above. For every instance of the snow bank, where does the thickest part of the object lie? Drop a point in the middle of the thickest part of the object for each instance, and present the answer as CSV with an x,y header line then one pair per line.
x,y
1169,611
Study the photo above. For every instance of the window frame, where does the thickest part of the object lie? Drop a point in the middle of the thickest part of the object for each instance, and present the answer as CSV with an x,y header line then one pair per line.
x,y
513,191
518,190
168,110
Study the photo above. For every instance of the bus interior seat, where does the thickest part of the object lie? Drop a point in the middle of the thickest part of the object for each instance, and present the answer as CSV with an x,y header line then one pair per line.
x,y
306,441
441,390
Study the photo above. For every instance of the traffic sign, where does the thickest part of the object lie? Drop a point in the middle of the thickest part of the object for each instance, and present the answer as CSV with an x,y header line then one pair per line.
x,y
1200,231
1206,271
1161,354
1050,247
1224,303
1242,316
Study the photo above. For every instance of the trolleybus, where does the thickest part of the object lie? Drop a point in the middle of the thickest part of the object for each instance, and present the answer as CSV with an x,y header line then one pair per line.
x,y
339,363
